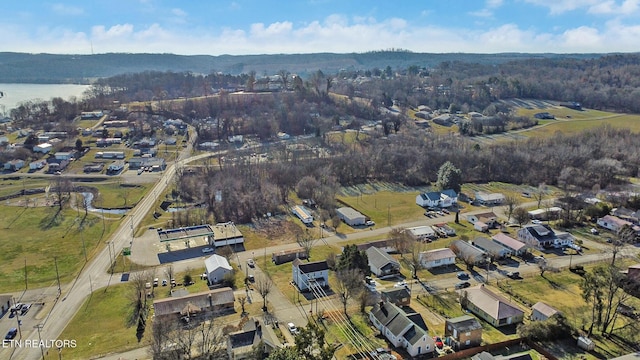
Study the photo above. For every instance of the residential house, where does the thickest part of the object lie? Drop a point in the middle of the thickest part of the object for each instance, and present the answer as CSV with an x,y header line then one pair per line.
x,y
563,239
217,267
444,198
541,311
517,248
614,223
422,233
382,264
633,273
468,253
243,344
545,214
37,165
626,214
65,155
284,256
398,296
538,236
492,307
351,216
204,304
463,332
42,148
494,249
402,330
303,214
14,165
384,245
486,199
437,258
488,218
307,275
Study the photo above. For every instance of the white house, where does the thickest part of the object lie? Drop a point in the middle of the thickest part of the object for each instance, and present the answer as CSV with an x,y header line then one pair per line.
x,y
436,258
351,216
444,198
403,330
489,199
614,223
494,249
42,148
217,267
310,274
64,155
422,233
37,165
380,263
541,311
488,218
303,214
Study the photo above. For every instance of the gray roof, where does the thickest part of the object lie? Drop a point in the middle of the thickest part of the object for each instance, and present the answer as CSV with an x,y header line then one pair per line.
x,y
433,195
467,250
200,300
379,258
489,246
216,261
465,323
544,309
309,267
492,304
349,212
396,293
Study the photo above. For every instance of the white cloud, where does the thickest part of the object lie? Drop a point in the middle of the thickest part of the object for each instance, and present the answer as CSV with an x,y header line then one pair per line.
x,y
494,3
484,13
68,10
179,12
557,7
117,31
611,7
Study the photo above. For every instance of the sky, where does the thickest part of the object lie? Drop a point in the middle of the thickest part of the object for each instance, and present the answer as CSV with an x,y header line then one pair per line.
x,y
241,27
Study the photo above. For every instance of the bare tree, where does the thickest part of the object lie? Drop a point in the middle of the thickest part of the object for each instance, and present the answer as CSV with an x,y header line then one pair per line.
x,y
62,188
264,286
306,242
401,240
350,283
539,193
414,258
510,204
520,215
242,300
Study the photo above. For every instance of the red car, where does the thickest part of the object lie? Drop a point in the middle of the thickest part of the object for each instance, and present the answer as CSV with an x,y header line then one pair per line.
x,y
438,342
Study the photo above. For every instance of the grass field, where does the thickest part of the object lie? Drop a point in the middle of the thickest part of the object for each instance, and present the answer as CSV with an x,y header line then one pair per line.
x,y
38,236
386,207
100,326
116,195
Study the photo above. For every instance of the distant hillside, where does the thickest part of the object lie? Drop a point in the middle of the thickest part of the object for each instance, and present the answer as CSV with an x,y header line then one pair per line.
x,y
51,68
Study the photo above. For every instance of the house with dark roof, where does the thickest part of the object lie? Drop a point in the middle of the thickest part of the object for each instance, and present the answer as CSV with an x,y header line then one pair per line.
x,y
243,344
463,332
382,264
384,245
307,275
517,247
204,304
407,331
492,307
541,311
539,236
488,218
495,250
397,296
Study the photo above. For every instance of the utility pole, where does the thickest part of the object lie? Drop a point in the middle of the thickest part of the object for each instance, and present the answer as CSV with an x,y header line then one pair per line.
x,y
388,215
110,256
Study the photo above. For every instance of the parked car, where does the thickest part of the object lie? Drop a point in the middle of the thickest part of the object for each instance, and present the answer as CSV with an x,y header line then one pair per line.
x,y
251,263
462,275
292,328
11,334
594,231
25,309
446,211
370,223
207,250
438,341
462,285
401,284
536,221
513,274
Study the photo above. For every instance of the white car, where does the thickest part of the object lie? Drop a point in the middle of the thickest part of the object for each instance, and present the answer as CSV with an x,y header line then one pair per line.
x,y
536,221
207,250
251,263
370,223
401,284
292,328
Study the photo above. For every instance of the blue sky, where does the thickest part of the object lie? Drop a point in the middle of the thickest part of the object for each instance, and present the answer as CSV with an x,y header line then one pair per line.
x,y
267,27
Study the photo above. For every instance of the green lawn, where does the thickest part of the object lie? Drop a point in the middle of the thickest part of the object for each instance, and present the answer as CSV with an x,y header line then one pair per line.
x,y
386,207
38,236
115,194
100,325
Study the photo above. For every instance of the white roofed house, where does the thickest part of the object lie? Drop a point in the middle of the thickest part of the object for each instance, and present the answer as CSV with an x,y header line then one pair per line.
x,y
436,258
303,214
382,264
422,233
217,267
468,253
489,199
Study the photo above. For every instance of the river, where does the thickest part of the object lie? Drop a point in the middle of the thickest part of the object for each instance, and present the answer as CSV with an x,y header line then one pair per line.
x,y
14,94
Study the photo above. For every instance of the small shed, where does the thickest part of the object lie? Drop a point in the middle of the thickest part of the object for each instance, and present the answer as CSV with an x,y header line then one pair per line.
x,y
585,343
